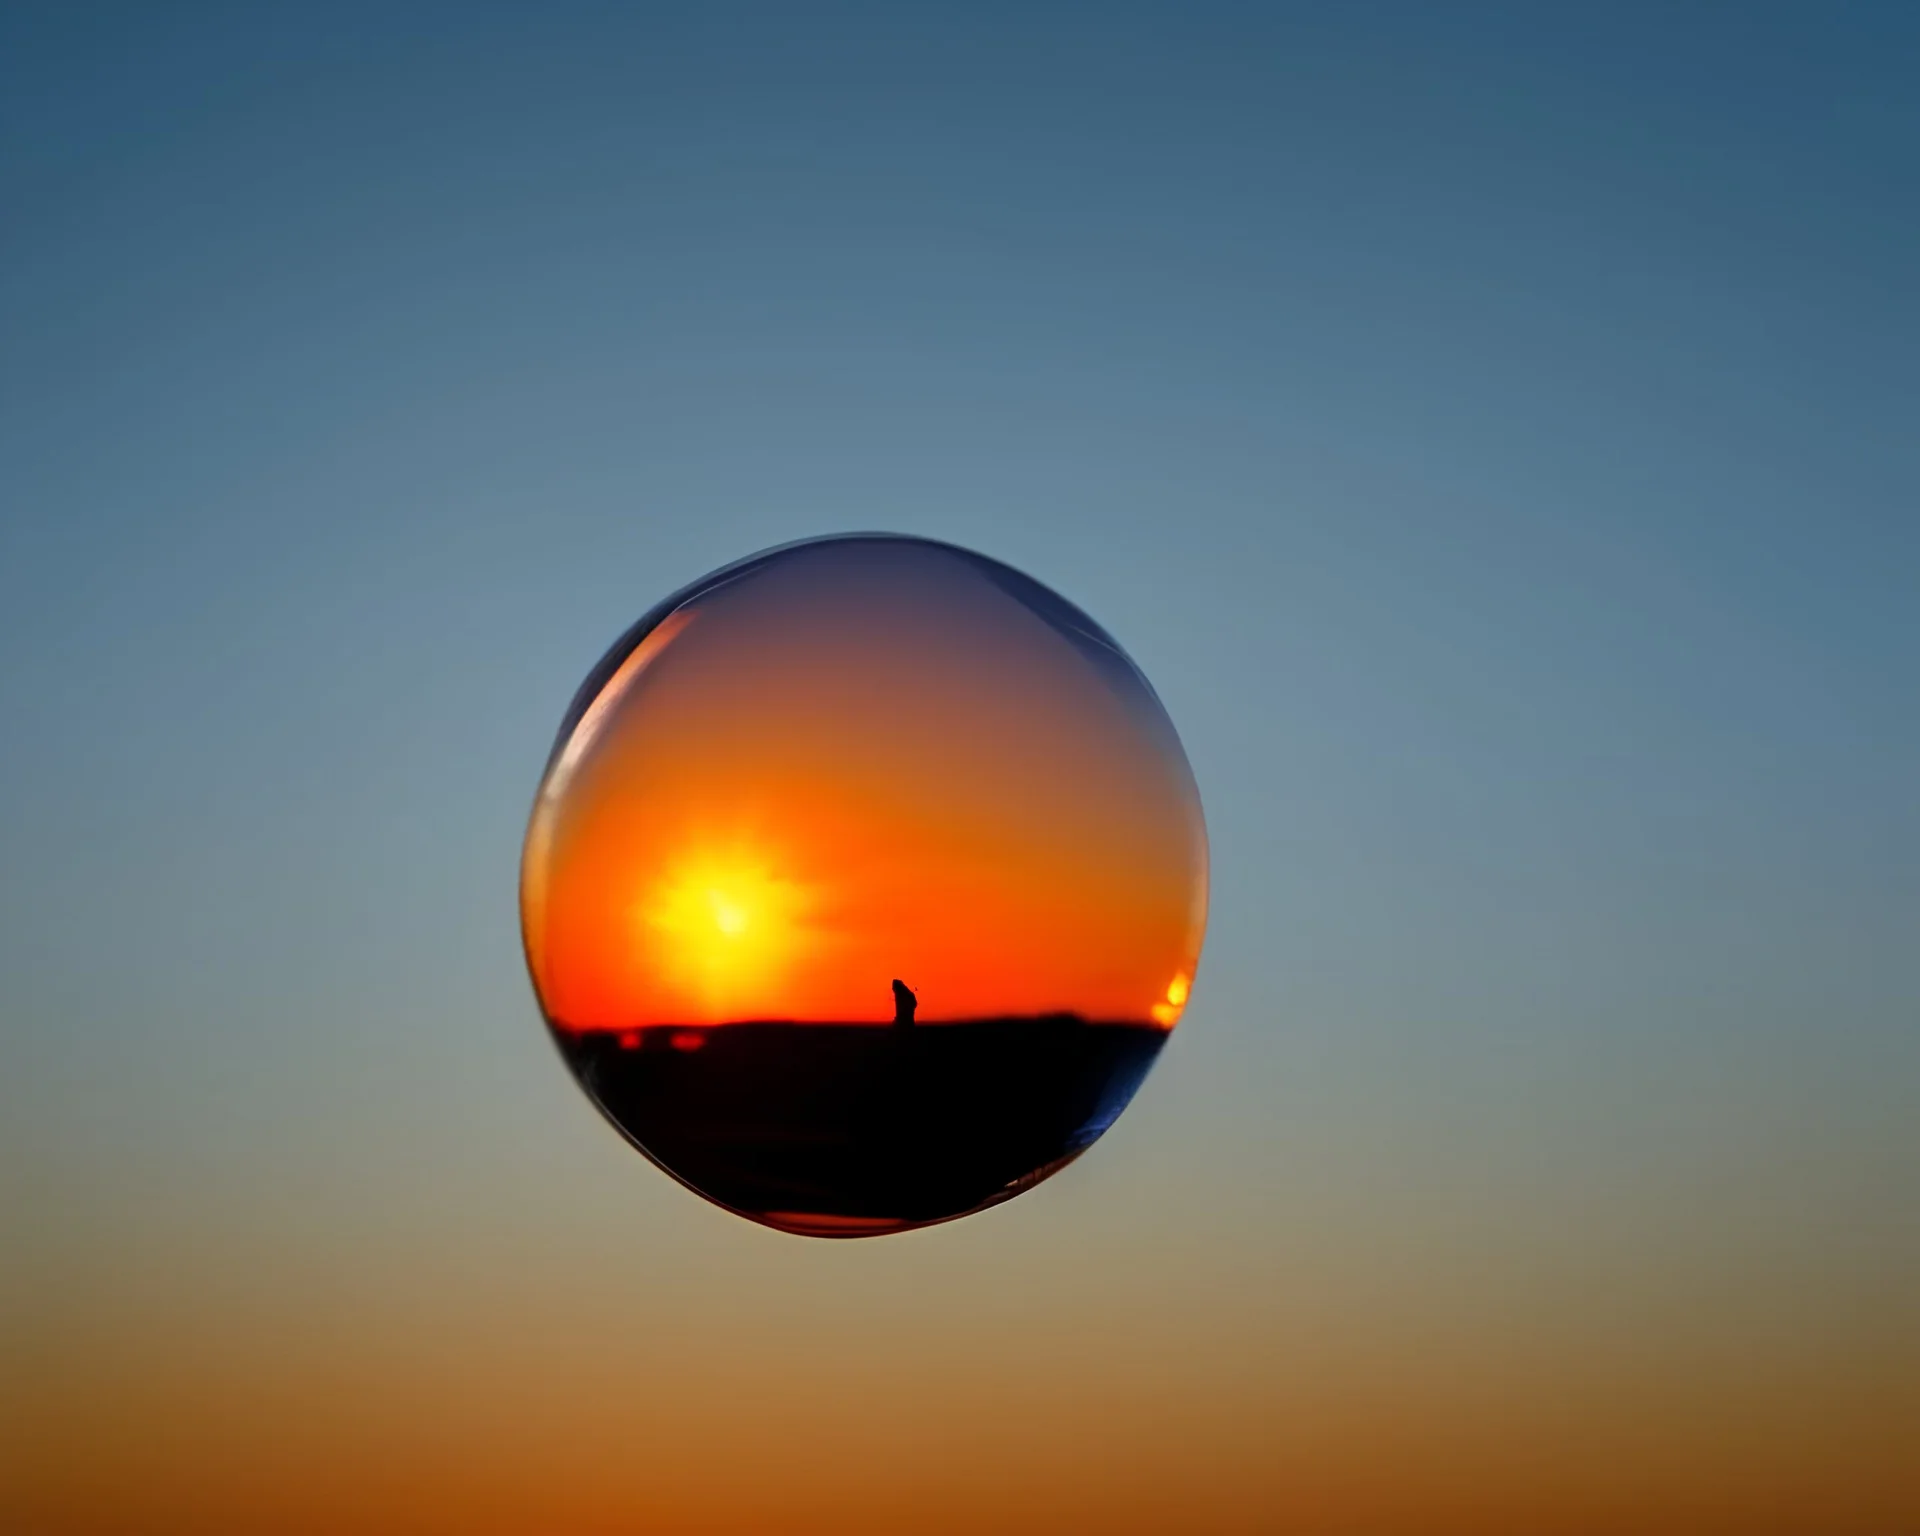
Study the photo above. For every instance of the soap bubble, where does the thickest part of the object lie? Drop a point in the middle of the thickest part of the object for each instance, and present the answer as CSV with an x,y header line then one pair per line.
x,y
866,880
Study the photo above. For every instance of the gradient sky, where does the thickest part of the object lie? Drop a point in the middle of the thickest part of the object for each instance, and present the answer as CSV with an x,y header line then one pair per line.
x,y
1492,429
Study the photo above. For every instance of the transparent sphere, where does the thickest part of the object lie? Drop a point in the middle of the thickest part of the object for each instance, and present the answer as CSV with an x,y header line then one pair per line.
x,y
866,880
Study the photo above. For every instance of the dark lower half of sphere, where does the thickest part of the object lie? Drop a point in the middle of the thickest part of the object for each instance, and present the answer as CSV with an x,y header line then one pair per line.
x,y
846,1130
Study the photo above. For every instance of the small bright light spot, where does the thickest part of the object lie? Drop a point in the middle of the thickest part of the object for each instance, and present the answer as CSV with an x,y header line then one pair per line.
x,y
1168,1013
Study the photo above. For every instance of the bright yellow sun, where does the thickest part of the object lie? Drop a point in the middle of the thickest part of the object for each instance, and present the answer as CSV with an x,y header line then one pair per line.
x,y
724,928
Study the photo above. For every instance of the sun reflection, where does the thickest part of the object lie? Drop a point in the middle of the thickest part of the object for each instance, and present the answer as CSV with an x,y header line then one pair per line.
x,y
1168,1013
724,928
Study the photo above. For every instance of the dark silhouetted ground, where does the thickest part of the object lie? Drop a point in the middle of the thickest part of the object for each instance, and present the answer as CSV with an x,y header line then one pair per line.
x,y
850,1129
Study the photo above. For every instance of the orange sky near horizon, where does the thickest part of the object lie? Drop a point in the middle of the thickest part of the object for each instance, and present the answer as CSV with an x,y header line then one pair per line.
x,y
853,763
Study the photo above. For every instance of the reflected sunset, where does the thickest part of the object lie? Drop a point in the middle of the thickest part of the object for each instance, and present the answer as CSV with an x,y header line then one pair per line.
x,y
851,763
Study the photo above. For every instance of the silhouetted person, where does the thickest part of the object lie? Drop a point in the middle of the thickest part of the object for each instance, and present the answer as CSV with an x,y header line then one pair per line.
x,y
904,1002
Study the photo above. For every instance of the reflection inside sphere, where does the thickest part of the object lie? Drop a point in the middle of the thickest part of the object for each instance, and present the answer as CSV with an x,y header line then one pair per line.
x,y
866,880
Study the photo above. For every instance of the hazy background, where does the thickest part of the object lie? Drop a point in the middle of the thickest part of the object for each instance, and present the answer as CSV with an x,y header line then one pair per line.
x,y
1493,430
